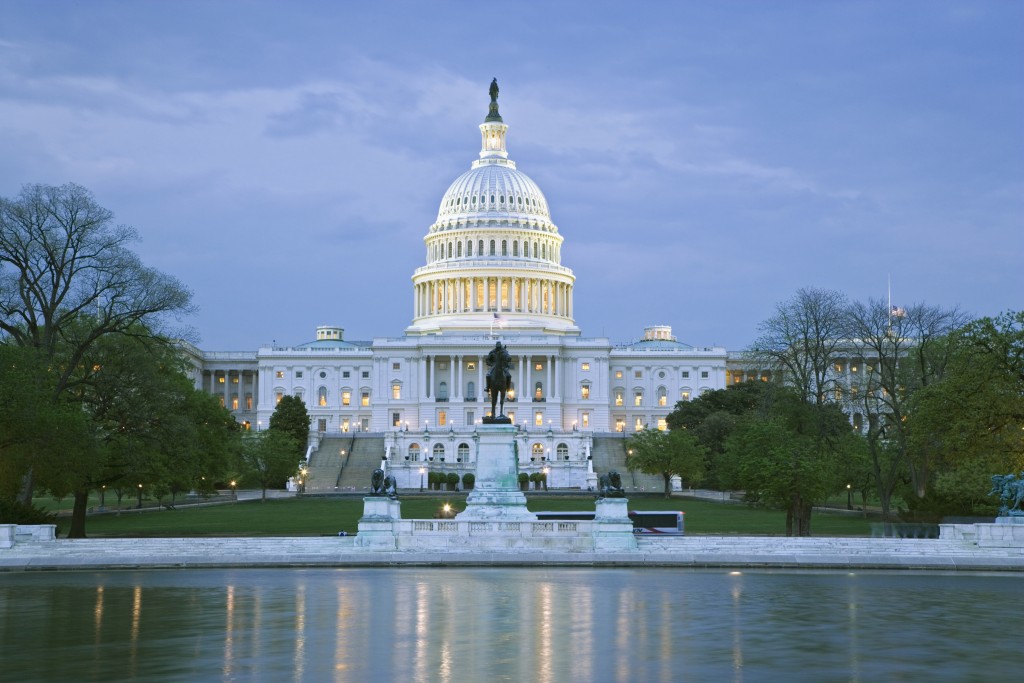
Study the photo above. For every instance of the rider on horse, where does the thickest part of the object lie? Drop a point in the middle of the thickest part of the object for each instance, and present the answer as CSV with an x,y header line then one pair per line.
x,y
500,362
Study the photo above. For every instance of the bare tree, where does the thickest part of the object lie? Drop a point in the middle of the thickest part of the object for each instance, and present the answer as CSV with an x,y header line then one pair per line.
x,y
68,278
803,341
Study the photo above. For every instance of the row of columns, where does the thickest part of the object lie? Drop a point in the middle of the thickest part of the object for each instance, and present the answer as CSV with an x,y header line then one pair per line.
x,y
497,294
226,389
428,374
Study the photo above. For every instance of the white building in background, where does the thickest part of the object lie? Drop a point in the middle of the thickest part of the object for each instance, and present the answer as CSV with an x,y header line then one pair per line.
x,y
493,271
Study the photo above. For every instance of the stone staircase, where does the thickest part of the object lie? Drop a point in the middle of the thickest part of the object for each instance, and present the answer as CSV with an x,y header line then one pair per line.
x,y
326,463
364,457
609,453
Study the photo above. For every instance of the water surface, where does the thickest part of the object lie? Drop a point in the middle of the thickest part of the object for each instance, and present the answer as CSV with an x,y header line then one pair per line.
x,y
552,625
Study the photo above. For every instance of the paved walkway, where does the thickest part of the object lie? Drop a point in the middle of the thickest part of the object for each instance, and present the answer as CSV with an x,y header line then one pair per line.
x,y
688,551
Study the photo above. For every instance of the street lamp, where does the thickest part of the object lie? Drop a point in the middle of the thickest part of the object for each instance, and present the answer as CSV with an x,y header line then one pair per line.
x,y
422,471
849,497
140,496
234,494
547,473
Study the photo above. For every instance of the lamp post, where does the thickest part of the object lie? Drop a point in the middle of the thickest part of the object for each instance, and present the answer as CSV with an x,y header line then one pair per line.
x,y
422,472
849,497
140,496
234,493
547,473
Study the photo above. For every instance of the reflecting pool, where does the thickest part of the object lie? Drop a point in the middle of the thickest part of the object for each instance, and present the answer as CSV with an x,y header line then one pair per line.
x,y
549,625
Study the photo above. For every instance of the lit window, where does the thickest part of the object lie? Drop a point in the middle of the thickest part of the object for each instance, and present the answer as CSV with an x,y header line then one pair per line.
x,y
234,380
638,425
537,451
662,424
538,392
538,419
586,419
620,424
618,397
471,365
511,415
221,401
364,398
248,401
396,419
662,396
346,398
220,380
638,398
538,366
278,396
618,374
396,391
322,396
234,403
279,375
684,395
585,367
345,424
442,418
585,392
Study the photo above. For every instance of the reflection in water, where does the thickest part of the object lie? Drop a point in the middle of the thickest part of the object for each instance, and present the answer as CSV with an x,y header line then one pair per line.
x,y
495,625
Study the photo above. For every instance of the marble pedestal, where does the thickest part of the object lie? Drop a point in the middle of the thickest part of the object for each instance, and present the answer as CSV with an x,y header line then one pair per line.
x,y
496,494
377,525
613,530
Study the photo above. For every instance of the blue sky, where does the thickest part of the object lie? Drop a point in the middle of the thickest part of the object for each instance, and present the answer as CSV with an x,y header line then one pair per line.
x,y
703,161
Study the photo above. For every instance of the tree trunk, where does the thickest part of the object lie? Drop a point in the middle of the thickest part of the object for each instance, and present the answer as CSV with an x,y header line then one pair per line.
x,y
668,484
28,484
77,529
264,498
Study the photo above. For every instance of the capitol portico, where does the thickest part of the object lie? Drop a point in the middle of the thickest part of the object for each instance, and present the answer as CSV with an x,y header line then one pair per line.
x,y
493,271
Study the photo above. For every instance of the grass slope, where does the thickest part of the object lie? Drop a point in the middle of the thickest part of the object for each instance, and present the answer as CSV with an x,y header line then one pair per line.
x,y
328,516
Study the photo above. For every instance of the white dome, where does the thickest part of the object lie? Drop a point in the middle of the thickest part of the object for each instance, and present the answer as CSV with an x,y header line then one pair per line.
x,y
491,190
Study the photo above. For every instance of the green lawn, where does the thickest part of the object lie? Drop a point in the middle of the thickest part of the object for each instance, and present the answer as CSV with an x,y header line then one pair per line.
x,y
328,516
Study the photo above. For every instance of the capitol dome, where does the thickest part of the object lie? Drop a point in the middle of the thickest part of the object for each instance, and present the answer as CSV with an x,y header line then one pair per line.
x,y
493,252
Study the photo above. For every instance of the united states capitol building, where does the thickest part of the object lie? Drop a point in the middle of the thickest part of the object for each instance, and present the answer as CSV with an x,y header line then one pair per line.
x,y
493,271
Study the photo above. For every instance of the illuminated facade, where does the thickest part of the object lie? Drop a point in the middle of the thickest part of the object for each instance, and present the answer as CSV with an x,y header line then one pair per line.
x,y
493,271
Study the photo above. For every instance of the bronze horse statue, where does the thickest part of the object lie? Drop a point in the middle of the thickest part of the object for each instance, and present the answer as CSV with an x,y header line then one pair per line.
x,y
499,382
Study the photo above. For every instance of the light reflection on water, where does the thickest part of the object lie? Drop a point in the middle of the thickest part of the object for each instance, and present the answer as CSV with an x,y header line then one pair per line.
x,y
550,625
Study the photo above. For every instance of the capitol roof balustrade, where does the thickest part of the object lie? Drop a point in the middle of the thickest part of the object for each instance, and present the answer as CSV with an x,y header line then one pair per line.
x,y
511,262
229,355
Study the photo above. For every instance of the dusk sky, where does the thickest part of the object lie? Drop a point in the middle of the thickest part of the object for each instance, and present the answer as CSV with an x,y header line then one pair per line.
x,y
703,161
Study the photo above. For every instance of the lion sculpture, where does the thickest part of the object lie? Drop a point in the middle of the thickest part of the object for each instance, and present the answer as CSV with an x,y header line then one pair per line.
x,y
611,486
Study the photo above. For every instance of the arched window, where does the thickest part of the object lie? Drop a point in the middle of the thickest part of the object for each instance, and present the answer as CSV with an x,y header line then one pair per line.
x,y
491,253
526,249
544,251
538,391
458,250
562,451
480,248
537,451
463,452
471,391
449,250
638,397
469,248
442,391
619,393
438,451
414,451
662,396
321,396
504,247
515,248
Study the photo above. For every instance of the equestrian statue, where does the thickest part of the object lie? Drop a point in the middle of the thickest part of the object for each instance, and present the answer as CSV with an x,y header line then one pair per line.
x,y
499,382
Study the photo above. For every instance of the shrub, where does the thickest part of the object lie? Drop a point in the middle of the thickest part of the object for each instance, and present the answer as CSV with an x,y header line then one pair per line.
x,y
453,480
468,479
13,512
524,480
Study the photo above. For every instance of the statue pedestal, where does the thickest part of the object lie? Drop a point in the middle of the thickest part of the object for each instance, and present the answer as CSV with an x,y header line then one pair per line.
x,y
613,530
377,525
496,494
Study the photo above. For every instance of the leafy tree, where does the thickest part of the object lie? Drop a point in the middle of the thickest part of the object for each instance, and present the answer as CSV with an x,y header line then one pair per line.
x,y
268,458
69,279
789,454
970,423
146,424
713,416
675,453
291,417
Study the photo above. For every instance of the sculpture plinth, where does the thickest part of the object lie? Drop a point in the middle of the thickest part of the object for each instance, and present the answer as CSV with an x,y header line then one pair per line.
x,y
496,493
